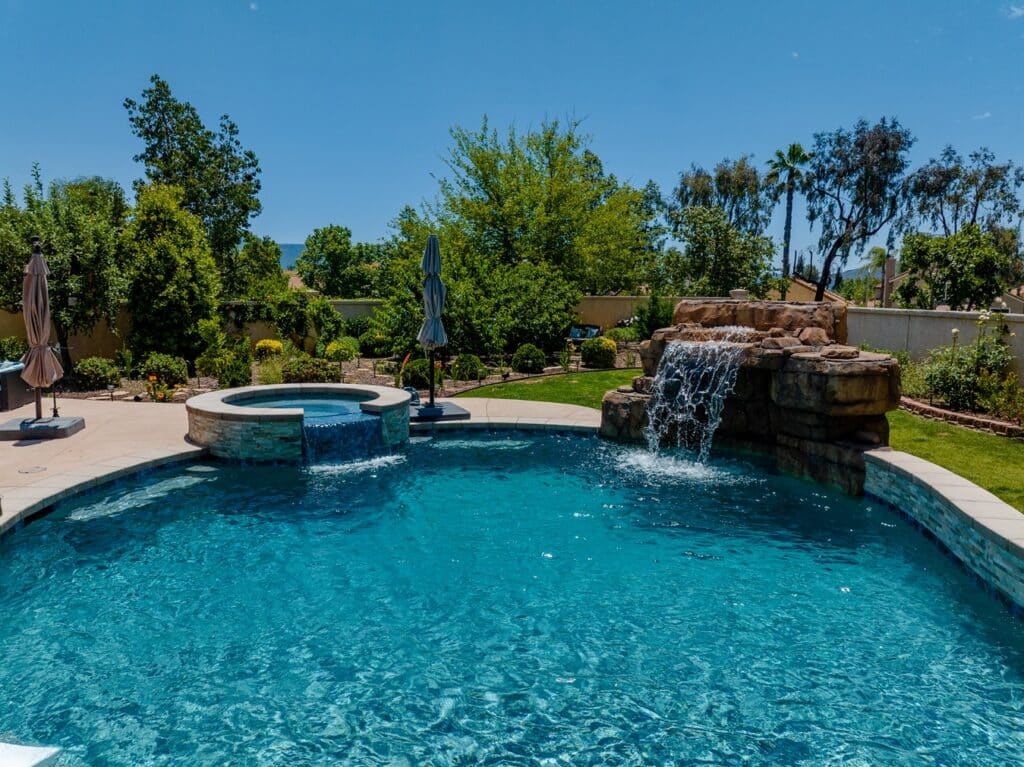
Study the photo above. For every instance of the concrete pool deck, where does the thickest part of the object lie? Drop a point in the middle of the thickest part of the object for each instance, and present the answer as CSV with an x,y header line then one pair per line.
x,y
121,438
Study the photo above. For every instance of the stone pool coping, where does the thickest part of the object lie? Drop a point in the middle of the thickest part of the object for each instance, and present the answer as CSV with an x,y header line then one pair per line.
x,y
220,404
983,532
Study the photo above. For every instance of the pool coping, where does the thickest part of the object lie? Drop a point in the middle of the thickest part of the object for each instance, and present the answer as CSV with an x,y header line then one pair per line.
x,y
218,404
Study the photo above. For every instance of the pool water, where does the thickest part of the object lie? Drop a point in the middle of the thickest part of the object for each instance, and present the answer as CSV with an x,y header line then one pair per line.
x,y
519,600
313,408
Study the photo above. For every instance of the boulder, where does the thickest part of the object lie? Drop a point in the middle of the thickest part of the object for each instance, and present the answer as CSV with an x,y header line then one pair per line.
x,y
814,337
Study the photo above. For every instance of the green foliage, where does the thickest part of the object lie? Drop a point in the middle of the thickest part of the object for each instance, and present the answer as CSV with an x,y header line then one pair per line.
x,y
586,389
290,317
253,271
125,360
356,326
373,343
858,290
528,359
331,264
80,224
226,359
12,348
270,371
735,187
532,304
468,367
174,282
654,315
785,175
96,373
268,347
628,334
963,270
218,179
169,370
599,352
964,376
324,321
302,368
343,349
417,374
718,257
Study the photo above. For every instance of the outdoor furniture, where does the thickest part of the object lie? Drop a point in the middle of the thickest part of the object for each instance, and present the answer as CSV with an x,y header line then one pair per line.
x,y
14,392
580,333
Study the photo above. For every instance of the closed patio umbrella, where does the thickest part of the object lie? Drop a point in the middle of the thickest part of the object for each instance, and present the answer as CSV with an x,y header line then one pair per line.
x,y
432,335
42,368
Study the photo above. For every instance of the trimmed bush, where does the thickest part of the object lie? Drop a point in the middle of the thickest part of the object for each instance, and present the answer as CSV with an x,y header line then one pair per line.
x,y
468,367
374,343
97,373
270,371
599,352
356,326
342,349
167,369
528,359
13,348
623,335
305,369
268,347
417,374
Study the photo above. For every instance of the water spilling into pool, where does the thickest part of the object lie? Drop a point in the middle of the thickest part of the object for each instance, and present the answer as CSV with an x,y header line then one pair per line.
x,y
692,383
547,600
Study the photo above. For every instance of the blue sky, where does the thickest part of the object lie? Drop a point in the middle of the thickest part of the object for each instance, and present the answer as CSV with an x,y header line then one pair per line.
x,y
348,104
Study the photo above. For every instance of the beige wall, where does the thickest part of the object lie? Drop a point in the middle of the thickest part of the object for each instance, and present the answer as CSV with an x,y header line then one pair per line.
x,y
918,331
101,342
607,310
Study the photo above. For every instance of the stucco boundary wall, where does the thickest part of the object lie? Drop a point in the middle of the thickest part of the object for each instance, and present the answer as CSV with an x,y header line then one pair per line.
x,y
918,331
982,532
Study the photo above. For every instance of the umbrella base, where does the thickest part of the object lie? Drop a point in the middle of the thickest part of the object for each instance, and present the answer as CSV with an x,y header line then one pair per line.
x,y
41,428
442,411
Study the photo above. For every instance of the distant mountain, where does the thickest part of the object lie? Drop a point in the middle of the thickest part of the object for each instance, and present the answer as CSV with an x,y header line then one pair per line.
x,y
864,270
289,252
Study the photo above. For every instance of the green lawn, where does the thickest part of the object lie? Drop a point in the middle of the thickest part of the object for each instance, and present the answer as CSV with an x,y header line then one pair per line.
x,y
585,389
995,463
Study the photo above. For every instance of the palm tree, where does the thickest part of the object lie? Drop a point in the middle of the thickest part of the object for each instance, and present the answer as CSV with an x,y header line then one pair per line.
x,y
785,171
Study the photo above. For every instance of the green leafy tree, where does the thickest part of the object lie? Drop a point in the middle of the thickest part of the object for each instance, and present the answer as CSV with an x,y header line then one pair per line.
x,y
963,270
855,185
335,266
80,224
734,186
174,283
718,257
784,177
218,178
255,272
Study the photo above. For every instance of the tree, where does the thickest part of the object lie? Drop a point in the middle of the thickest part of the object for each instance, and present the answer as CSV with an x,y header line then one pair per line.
x,y
963,270
80,224
718,257
784,177
855,186
174,282
735,186
334,266
255,271
218,178
949,193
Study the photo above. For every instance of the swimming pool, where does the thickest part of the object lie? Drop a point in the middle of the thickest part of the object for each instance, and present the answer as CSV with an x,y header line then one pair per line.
x,y
517,600
325,407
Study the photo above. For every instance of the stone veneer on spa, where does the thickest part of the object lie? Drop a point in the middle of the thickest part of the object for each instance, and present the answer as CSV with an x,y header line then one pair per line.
x,y
221,422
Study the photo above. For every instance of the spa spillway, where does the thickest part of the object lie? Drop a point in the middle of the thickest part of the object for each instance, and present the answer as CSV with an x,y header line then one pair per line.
x,y
296,422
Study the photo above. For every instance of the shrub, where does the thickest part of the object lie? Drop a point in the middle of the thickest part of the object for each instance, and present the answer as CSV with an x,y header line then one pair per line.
x,y
374,343
655,314
267,348
97,373
229,360
528,359
627,334
342,349
270,371
965,377
305,369
468,367
599,352
172,371
356,326
125,359
12,348
417,374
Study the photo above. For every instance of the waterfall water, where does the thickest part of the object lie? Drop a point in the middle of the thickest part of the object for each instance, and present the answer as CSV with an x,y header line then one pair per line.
x,y
693,380
343,438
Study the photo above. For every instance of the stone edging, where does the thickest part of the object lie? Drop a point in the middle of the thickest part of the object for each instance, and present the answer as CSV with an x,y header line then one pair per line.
x,y
19,503
984,533
980,423
218,404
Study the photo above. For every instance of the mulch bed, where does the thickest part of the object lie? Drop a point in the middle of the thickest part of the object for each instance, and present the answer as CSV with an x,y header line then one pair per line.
x,y
974,421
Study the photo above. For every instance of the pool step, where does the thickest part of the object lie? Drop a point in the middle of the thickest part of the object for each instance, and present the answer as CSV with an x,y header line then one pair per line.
x,y
27,756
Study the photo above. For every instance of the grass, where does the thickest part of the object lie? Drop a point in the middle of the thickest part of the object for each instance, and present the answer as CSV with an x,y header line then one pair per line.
x,y
585,389
993,462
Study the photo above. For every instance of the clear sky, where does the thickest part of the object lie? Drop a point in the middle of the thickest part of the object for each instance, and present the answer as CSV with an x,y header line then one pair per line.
x,y
348,104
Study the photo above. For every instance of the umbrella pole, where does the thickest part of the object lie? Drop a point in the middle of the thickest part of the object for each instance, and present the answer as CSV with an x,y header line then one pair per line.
x,y
431,378
39,404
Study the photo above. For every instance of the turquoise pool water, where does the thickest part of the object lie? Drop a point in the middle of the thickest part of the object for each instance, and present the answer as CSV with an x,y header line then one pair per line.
x,y
547,601
314,408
